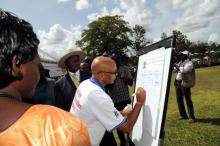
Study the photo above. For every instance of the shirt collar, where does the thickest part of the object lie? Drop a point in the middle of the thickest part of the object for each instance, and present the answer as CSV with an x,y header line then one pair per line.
x,y
95,81
76,73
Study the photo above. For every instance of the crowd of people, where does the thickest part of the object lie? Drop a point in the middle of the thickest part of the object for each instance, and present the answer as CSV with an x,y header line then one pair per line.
x,y
74,110
82,107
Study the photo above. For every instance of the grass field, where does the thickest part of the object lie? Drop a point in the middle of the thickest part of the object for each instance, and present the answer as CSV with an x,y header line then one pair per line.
x,y
206,98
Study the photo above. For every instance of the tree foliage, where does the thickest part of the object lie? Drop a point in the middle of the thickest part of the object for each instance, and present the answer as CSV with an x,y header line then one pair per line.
x,y
201,48
182,43
112,35
107,35
139,41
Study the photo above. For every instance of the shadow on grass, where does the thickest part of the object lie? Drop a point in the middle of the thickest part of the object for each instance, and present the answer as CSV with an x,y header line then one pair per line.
x,y
213,121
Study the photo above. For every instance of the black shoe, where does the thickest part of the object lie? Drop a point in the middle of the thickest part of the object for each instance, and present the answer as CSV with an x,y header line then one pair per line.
x,y
191,120
182,117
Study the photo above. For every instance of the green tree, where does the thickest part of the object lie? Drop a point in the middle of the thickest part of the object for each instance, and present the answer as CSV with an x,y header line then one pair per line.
x,y
182,43
139,41
213,46
193,49
109,35
201,48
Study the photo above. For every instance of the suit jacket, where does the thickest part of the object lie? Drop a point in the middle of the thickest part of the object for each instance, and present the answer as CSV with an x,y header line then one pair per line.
x,y
64,91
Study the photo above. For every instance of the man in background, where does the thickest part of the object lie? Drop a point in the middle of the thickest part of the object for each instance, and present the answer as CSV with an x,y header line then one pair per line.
x,y
65,87
185,80
85,69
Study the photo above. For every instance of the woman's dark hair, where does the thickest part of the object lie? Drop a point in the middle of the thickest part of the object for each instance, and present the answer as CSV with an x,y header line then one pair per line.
x,y
18,43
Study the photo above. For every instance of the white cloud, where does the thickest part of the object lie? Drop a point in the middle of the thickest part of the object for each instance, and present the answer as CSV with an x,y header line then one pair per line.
x,y
82,4
103,2
104,12
132,11
58,40
135,12
127,4
197,14
183,4
62,1
198,19
95,16
164,7
116,11
163,18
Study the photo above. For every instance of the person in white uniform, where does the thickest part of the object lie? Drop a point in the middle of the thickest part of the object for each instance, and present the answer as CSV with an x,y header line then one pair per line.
x,y
96,108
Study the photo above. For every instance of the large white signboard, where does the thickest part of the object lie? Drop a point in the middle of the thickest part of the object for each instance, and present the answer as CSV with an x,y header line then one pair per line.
x,y
152,75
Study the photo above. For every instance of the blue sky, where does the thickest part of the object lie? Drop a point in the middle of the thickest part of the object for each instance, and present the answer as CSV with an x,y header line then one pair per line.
x,y
59,23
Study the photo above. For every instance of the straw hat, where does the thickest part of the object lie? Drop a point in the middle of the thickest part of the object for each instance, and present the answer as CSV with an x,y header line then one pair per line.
x,y
61,62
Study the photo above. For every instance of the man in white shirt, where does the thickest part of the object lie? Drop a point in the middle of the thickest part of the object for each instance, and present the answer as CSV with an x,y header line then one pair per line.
x,y
185,80
96,108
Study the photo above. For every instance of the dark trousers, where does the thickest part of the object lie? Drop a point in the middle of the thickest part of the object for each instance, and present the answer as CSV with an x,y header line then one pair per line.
x,y
108,139
180,93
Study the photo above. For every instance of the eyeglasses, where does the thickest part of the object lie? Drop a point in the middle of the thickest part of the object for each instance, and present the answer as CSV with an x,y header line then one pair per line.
x,y
113,73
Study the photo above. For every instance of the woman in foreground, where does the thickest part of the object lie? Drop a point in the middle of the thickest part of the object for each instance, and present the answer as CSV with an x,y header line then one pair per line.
x,y
23,124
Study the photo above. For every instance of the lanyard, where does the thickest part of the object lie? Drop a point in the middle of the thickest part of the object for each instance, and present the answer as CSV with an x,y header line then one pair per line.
x,y
94,81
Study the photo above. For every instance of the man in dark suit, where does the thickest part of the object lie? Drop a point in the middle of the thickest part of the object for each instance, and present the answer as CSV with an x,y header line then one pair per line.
x,y
65,87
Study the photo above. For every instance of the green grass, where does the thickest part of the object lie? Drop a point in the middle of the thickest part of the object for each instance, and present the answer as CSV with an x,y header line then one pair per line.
x,y
206,99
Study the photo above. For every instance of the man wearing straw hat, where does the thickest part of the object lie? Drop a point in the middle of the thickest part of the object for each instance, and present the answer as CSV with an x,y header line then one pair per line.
x,y
65,87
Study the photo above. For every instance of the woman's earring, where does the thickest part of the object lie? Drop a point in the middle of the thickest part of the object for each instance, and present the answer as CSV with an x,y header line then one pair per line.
x,y
18,76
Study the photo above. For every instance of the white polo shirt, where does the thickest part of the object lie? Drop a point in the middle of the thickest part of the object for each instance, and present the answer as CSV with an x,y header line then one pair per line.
x,y
96,109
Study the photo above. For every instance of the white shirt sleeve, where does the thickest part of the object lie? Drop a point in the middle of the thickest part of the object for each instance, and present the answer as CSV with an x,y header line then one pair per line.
x,y
105,112
188,67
